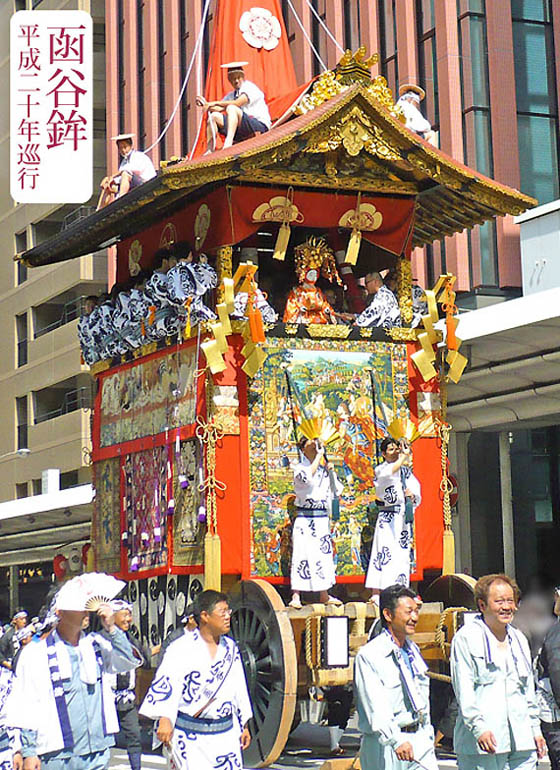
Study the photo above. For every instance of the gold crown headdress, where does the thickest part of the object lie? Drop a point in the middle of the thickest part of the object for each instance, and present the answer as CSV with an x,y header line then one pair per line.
x,y
315,254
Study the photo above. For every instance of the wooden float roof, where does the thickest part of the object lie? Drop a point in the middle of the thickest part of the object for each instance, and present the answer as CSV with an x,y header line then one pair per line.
x,y
349,143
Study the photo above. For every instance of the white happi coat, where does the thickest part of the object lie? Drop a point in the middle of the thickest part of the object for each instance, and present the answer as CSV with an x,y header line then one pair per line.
x,y
383,310
389,562
9,738
189,680
31,704
312,551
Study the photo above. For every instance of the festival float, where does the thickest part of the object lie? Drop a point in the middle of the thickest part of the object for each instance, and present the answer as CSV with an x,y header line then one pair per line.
x,y
194,435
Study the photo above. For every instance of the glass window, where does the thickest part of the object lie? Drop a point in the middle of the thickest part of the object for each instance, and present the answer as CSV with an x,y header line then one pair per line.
x,y
534,67
351,17
531,10
538,156
388,37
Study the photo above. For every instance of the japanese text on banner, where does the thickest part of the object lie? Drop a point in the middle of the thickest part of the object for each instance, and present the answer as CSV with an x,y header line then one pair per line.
x,y
51,98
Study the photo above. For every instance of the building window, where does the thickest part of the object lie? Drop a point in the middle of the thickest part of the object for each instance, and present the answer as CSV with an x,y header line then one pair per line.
x,y
120,45
185,106
286,15
141,70
351,17
161,77
21,247
427,58
318,35
64,397
477,135
537,105
69,479
21,420
37,486
21,490
388,36
21,335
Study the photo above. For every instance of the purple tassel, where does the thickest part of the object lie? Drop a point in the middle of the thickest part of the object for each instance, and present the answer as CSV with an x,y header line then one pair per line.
x,y
183,481
202,514
171,507
157,534
134,564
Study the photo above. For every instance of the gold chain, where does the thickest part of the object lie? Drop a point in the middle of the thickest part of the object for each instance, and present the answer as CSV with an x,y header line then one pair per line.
x,y
208,433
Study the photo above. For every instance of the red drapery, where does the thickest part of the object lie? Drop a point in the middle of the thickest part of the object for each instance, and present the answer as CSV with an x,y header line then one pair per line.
x,y
231,211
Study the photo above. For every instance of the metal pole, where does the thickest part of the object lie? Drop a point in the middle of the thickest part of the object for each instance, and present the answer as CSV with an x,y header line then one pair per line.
x,y
507,504
14,588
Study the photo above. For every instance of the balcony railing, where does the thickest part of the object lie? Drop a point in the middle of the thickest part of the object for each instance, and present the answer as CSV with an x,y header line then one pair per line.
x,y
70,311
80,398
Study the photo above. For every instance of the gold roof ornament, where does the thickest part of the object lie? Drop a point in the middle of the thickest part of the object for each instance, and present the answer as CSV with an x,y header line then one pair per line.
x,y
352,68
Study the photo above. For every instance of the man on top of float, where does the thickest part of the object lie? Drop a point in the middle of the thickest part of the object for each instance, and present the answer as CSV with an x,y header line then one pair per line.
x,y
240,114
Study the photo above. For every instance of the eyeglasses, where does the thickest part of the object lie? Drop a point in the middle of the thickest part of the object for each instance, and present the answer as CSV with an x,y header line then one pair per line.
x,y
224,613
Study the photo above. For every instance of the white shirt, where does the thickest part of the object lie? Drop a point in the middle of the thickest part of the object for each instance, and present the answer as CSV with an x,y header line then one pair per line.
x,y
256,106
139,166
414,118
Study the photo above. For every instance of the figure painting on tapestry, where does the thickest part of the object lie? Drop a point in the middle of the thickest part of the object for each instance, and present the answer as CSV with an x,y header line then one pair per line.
x,y
332,381
142,399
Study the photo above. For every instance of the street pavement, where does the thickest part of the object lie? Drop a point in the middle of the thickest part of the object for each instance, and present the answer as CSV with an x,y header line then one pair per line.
x,y
308,747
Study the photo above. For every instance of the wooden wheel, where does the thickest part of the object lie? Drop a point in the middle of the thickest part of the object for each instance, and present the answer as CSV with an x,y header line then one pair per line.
x,y
260,626
454,590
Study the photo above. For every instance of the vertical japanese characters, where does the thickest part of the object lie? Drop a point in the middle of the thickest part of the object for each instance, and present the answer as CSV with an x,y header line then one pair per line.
x,y
51,137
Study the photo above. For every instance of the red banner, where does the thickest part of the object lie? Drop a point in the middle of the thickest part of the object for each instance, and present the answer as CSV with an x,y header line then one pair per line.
x,y
231,214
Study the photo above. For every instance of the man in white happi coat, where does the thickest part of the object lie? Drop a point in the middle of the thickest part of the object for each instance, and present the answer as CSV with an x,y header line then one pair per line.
x,y
395,485
61,697
393,692
10,742
498,725
312,550
199,694
383,310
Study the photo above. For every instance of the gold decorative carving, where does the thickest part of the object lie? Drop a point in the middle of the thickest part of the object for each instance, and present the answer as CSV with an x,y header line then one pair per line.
x,y
355,131
329,331
404,289
224,268
365,331
134,257
149,347
168,236
201,226
291,328
402,334
98,367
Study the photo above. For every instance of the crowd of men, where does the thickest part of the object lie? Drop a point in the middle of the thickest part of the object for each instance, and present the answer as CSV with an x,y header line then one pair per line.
x,y
73,690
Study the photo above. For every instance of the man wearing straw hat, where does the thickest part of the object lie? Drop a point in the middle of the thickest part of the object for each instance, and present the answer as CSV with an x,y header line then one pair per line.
x,y
61,698
410,96
240,114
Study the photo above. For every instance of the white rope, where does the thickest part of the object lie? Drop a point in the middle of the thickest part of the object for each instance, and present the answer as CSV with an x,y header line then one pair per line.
x,y
327,30
306,36
187,76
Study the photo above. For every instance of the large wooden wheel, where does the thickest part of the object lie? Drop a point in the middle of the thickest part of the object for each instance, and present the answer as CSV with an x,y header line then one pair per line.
x,y
260,626
454,590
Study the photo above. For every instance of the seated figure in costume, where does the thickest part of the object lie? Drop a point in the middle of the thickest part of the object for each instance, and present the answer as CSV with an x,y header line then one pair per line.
x,y
90,354
312,550
163,320
383,309
410,96
419,303
306,303
393,540
187,283
240,114
258,297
